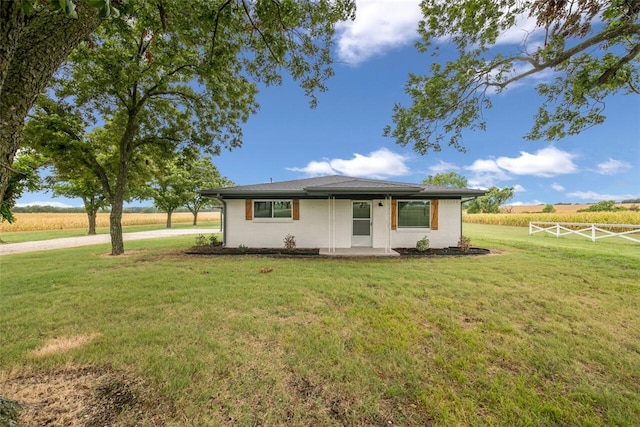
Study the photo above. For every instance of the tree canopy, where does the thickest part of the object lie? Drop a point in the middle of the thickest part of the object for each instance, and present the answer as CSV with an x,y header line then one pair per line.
x,y
35,38
491,201
447,179
187,77
591,47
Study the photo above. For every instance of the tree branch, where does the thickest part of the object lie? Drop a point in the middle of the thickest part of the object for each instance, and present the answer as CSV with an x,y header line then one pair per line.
x,y
257,28
610,72
567,54
215,28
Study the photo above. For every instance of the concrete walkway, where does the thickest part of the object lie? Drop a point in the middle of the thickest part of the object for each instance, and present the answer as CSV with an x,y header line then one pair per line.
x,y
72,242
358,251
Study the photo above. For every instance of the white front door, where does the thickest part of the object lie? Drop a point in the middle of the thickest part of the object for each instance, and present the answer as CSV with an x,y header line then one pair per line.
x,y
361,228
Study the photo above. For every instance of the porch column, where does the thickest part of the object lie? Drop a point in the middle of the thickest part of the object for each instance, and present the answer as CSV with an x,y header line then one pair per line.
x,y
331,202
387,202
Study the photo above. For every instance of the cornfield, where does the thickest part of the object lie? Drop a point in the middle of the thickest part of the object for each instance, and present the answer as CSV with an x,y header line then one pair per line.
x,y
523,219
63,221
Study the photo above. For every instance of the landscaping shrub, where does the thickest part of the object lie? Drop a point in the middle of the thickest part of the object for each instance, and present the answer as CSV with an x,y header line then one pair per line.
x,y
289,242
422,245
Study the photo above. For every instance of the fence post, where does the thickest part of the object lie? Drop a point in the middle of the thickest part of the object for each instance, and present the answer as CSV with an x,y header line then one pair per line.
x,y
557,229
593,232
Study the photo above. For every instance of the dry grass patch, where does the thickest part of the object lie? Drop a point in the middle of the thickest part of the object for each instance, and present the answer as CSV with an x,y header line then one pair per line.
x,y
62,344
83,396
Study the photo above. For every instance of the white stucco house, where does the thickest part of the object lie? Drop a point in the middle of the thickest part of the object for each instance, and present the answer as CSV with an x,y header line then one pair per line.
x,y
333,212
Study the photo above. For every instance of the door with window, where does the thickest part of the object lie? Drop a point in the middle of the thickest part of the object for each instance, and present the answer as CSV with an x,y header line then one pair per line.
x,y
361,229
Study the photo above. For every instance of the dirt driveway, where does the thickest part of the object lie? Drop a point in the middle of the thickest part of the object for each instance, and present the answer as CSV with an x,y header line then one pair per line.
x,y
71,242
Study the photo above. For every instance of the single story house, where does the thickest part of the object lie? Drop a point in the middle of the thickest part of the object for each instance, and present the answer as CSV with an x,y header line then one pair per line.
x,y
341,212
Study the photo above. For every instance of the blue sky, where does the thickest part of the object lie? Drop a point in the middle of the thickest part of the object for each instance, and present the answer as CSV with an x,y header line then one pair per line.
x,y
287,140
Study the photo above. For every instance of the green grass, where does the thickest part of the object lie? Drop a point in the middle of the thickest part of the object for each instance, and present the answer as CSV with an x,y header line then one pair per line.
x,y
545,333
30,236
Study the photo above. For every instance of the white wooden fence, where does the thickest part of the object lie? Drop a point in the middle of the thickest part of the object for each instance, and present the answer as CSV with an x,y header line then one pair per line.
x,y
590,231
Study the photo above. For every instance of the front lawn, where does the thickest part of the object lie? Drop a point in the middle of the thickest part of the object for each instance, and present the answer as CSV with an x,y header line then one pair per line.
x,y
545,332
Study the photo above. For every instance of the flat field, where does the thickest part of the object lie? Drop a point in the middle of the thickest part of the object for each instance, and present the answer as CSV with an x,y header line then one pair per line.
x,y
68,221
544,331
523,219
559,208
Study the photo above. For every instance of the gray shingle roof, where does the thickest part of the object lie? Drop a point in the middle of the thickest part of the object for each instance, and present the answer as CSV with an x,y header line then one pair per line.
x,y
338,185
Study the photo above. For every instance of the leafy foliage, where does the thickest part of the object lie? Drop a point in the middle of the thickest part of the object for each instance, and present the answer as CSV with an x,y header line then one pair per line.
x,y
465,243
491,201
590,45
162,85
23,175
289,242
448,179
422,245
202,240
603,206
202,174
548,208
69,7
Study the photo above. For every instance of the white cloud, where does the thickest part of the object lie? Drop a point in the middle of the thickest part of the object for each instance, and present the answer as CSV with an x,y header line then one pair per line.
x,y
531,203
592,195
557,186
518,189
545,163
612,167
46,203
442,167
379,164
380,25
524,32
486,173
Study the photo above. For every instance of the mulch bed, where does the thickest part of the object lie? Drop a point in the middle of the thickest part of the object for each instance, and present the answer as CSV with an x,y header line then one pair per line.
x,y
452,250
408,252
220,250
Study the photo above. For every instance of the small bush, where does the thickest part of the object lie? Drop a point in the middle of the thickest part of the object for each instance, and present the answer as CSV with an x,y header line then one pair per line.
x,y
242,248
422,245
548,208
464,244
289,242
201,240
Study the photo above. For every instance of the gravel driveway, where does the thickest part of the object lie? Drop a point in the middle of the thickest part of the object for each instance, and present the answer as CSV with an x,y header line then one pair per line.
x,y
71,242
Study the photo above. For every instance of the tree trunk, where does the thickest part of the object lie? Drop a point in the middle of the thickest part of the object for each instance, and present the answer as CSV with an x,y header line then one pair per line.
x,y
32,50
115,227
92,221
169,213
195,217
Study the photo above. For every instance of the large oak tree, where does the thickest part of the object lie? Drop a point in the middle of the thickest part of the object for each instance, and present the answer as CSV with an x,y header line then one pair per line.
x,y
35,39
187,76
591,47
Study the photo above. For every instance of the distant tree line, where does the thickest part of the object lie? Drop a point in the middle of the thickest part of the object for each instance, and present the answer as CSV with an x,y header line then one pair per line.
x,y
133,209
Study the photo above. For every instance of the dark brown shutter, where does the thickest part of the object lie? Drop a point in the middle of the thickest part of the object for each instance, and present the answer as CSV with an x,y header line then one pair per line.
x,y
394,214
248,211
434,214
296,209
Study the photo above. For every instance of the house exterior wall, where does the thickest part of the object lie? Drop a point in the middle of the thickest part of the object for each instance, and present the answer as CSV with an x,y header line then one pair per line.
x,y
447,234
312,230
